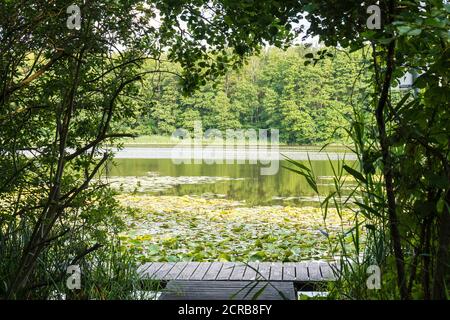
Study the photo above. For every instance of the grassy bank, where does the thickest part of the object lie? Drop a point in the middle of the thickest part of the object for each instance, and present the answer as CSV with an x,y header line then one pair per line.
x,y
149,140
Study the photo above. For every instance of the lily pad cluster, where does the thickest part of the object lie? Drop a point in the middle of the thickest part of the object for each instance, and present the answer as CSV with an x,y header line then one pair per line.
x,y
155,183
186,228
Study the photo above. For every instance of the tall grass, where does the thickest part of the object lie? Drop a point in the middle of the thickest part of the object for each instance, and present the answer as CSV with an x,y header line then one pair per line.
x,y
108,271
366,242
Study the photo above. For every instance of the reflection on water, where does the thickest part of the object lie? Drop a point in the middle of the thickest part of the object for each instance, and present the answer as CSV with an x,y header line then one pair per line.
x,y
246,183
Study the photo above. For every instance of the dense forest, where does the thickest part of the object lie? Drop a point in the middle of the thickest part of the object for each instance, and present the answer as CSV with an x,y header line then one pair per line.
x,y
308,104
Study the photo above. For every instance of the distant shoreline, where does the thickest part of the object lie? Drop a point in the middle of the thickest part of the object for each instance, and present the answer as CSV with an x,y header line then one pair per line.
x,y
237,152
167,141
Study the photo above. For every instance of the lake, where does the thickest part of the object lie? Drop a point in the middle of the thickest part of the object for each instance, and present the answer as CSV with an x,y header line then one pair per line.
x,y
225,211
151,172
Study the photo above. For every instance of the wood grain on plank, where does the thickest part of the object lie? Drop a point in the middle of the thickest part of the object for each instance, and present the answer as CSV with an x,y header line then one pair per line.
x,y
327,271
276,272
201,270
314,271
263,271
288,271
238,271
251,271
213,271
175,271
301,271
164,270
226,271
149,271
188,271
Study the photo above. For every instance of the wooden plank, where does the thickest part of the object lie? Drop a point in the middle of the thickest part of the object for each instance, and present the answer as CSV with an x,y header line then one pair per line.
x,y
301,271
175,271
263,271
276,271
148,270
225,290
144,267
161,273
201,270
238,271
188,271
326,271
213,271
226,271
289,271
250,272
314,271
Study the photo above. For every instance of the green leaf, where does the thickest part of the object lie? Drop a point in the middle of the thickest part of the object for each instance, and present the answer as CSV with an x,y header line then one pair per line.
x,y
440,205
357,175
368,209
403,30
415,32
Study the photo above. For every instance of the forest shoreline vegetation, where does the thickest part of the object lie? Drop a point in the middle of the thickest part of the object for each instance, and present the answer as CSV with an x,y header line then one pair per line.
x,y
145,68
263,94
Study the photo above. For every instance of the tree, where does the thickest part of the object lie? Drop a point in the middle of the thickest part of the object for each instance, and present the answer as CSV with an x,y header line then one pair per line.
x,y
411,141
307,104
63,94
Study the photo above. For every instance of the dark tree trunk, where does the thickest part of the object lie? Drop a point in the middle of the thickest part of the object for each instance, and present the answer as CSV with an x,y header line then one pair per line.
x,y
442,259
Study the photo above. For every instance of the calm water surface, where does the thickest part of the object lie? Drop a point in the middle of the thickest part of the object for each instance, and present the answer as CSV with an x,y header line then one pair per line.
x,y
285,187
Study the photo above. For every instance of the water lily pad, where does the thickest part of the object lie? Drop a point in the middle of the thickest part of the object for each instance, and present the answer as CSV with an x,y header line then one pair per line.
x,y
174,228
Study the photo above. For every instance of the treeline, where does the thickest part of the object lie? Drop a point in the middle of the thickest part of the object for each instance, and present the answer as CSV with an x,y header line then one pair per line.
x,y
277,89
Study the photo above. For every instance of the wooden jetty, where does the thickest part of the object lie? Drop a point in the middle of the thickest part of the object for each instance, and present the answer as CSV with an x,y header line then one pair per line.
x,y
230,280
